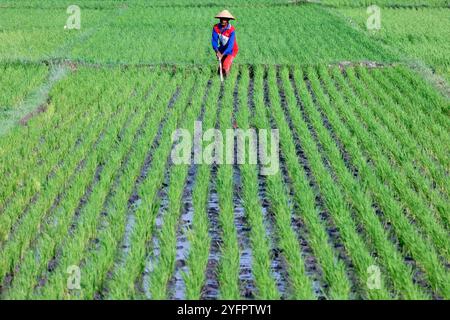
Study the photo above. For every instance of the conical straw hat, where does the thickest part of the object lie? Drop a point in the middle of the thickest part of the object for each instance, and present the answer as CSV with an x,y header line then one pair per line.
x,y
225,14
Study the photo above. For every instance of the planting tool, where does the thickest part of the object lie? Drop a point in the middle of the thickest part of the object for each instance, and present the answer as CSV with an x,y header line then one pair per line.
x,y
220,70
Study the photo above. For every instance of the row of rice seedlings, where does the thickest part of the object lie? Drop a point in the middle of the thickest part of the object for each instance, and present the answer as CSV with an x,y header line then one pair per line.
x,y
437,104
17,140
407,153
419,141
228,273
355,192
333,269
27,227
423,44
122,283
260,242
37,179
94,264
42,135
319,42
334,200
430,107
164,267
357,47
421,249
16,81
55,231
198,236
403,94
300,284
45,209
97,262
417,126
418,209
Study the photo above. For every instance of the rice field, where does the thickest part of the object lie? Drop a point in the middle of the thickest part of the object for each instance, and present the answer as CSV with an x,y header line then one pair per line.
x,y
93,205
127,29
419,34
17,81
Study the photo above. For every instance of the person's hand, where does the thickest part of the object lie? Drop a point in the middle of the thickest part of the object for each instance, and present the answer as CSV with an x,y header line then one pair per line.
x,y
219,55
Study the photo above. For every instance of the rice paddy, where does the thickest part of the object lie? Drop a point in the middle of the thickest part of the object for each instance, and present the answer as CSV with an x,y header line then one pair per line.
x,y
93,205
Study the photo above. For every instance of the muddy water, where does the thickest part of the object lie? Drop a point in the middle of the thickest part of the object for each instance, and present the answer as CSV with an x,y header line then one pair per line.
x,y
153,247
211,287
135,200
176,286
278,266
312,267
246,279
93,243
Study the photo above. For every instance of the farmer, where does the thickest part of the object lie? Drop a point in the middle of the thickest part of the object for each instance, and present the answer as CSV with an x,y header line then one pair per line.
x,y
224,40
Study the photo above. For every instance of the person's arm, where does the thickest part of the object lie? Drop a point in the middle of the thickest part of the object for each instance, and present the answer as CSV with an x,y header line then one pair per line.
x,y
230,44
214,40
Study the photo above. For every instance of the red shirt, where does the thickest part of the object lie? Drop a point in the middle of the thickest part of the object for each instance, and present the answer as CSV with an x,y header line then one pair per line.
x,y
224,40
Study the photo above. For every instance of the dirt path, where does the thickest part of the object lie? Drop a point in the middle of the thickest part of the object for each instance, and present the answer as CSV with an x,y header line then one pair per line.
x,y
35,103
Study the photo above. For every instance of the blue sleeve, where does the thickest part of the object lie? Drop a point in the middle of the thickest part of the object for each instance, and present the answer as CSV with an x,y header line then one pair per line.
x,y
214,40
230,45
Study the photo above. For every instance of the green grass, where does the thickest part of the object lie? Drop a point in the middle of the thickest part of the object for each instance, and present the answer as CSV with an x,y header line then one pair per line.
x,y
69,184
418,34
137,35
187,41
32,34
116,205
17,81
422,249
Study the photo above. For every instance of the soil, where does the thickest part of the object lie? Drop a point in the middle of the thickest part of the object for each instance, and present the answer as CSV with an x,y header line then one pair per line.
x,y
41,109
